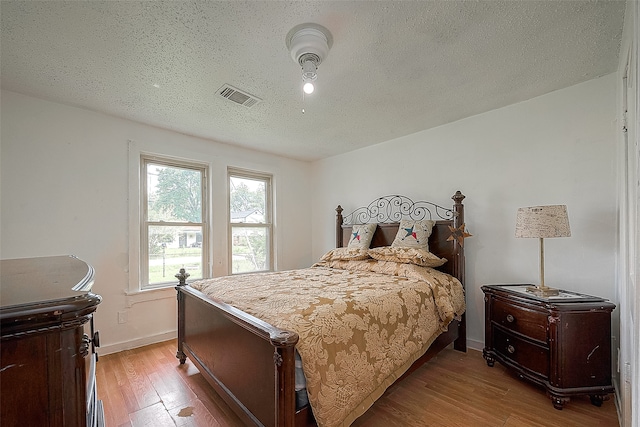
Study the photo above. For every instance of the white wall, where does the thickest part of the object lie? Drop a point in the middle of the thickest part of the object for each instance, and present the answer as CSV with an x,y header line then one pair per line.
x,y
559,148
64,177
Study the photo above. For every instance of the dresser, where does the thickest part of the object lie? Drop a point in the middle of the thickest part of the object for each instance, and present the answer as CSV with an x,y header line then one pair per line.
x,y
561,342
48,348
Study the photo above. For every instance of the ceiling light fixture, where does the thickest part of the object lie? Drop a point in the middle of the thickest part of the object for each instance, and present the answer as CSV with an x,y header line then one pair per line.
x,y
309,44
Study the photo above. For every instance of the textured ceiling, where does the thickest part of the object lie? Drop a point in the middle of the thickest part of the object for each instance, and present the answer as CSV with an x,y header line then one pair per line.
x,y
395,68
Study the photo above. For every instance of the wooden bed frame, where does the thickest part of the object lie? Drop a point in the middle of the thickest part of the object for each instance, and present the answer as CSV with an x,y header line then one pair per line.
x,y
250,363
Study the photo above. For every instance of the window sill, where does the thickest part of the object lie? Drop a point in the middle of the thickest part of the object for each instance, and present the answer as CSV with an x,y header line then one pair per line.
x,y
146,295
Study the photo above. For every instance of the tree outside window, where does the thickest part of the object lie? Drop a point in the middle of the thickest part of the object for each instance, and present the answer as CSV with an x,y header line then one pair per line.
x,y
250,221
174,226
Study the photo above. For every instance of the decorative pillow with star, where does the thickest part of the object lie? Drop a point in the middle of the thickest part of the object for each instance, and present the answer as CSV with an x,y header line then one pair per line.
x,y
417,256
361,235
413,234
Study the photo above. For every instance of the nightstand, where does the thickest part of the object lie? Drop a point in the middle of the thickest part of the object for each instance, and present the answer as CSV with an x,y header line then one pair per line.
x,y
561,342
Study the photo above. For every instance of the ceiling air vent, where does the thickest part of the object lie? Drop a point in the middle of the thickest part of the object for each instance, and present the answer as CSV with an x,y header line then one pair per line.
x,y
238,96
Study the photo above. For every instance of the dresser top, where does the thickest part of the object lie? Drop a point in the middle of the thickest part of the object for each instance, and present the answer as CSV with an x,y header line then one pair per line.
x,y
29,281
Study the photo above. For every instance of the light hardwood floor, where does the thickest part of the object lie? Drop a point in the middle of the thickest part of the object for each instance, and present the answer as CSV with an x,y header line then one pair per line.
x,y
148,387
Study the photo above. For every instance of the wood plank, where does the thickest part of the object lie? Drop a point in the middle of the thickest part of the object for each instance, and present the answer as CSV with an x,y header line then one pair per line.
x,y
194,414
151,416
144,392
110,393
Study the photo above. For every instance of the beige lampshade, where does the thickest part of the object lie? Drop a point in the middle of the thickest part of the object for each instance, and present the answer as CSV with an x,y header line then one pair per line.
x,y
543,222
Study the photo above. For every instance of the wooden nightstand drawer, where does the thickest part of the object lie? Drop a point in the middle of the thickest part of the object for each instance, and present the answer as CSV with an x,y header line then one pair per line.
x,y
524,353
519,319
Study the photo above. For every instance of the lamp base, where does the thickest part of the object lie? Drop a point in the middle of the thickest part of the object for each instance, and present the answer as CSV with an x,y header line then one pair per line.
x,y
543,291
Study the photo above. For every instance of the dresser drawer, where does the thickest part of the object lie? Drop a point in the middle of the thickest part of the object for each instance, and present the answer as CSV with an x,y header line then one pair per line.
x,y
531,323
525,354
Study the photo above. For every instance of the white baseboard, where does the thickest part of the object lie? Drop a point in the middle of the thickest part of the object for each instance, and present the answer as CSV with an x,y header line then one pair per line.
x,y
475,345
617,399
140,342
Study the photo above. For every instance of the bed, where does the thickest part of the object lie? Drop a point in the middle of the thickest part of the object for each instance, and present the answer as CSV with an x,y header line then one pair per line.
x,y
252,364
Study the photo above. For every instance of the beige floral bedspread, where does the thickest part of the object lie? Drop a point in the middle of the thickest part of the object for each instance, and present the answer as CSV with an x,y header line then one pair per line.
x,y
361,323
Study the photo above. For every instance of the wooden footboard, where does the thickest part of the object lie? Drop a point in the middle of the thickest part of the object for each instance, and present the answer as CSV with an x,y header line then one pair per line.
x,y
248,362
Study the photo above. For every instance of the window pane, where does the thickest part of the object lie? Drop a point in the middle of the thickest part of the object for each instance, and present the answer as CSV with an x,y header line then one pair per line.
x,y
173,248
247,198
249,249
174,194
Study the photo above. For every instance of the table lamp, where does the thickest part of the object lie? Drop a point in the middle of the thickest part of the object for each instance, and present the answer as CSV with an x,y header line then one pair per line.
x,y
542,222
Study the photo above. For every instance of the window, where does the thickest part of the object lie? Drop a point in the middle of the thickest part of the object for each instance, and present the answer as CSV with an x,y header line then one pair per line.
x,y
250,222
174,221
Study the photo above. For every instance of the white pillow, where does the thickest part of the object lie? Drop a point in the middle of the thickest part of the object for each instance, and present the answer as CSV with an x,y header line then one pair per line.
x,y
413,234
361,235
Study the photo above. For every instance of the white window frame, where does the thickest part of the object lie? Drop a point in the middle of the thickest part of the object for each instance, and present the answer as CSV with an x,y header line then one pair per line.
x,y
144,223
268,224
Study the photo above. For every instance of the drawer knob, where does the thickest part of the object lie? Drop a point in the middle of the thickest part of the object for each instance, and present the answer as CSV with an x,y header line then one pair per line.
x,y
510,318
511,349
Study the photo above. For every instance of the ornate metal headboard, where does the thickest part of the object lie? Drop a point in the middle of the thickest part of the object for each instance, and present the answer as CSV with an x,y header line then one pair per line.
x,y
388,211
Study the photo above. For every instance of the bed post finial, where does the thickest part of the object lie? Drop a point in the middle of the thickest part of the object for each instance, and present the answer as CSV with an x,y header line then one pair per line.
x,y
339,220
458,197
458,209
458,218
182,277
